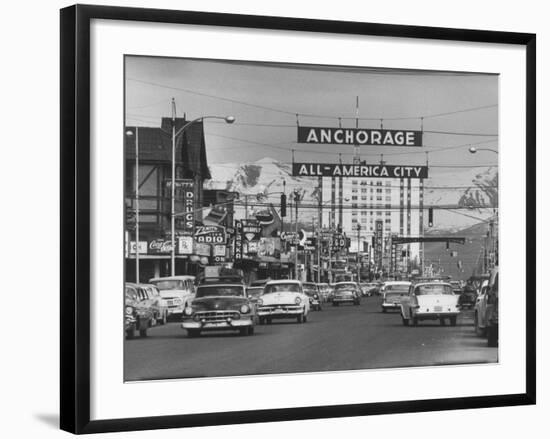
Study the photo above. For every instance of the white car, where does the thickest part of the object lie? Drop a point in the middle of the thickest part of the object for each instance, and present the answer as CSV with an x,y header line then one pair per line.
x,y
392,293
282,299
177,292
430,301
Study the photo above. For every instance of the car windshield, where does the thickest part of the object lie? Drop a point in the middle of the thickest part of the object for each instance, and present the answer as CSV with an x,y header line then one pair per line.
x,y
168,284
279,288
220,290
309,288
422,290
255,292
341,287
396,289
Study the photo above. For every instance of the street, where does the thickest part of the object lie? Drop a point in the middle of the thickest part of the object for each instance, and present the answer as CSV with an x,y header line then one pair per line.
x,y
336,338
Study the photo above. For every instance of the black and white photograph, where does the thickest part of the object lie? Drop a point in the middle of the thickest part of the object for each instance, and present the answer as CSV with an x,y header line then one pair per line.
x,y
289,218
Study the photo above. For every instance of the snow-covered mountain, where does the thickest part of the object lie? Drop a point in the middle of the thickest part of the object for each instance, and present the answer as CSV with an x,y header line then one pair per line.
x,y
462,187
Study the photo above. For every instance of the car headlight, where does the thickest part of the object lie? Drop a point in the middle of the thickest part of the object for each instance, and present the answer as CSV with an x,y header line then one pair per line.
x,y
188,311
178,301
245,309
315,296
259,302
297,301
129,310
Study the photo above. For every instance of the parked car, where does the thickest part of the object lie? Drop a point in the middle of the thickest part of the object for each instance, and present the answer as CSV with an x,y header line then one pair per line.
x,y
177,292
392,292
467,297
430,301
138,316
283,299
346,292
157,303
219,304
486,310
312,291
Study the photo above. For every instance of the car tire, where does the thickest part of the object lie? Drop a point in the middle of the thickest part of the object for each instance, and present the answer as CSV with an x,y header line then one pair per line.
x,y
251,330
405,321
452,321
300,318
441,322
333,303
130,333
414,320
384,310
261,320
243,331
268,320
143,332
492,336
192,333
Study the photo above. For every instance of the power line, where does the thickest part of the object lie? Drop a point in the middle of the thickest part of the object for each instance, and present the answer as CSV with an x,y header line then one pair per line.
x,y
309,115
275,125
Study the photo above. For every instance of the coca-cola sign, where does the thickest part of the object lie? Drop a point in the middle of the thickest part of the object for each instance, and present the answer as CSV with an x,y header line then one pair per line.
x,y
160,246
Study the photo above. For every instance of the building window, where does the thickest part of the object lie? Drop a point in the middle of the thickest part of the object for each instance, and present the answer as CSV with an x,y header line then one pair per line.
x,y
364,198
387,221
378,213
388,191
354,190
363,220
388,213
354,205
354,197
354,182
378,198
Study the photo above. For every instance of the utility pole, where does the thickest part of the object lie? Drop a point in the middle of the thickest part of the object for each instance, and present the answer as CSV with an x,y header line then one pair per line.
x,y
137,205
173,194
357,259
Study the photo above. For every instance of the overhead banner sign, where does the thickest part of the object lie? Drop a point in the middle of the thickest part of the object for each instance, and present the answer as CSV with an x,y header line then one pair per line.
x,y
359,136
358,170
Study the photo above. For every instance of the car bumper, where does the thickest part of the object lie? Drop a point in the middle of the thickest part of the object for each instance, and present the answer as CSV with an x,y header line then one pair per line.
x,y
391,305
435,315
343,299
175,310
218,325
280,311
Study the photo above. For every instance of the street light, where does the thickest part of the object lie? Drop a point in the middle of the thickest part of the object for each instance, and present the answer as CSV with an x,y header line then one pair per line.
x,y
473,150
227,119
130,133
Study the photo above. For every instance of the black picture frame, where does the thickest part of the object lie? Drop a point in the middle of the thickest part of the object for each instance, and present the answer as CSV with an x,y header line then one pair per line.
x,y
75,217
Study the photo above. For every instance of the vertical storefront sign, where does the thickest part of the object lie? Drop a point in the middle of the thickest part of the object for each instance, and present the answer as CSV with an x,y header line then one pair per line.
x,y
378,243
238,240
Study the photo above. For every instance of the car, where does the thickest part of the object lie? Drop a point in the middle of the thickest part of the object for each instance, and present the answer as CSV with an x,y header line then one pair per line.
x,y
346,292
312,291
138,315
486,310
430,301
283,299
457,287
177,292
467,297
324,291
392,292
157,303
220,304
254,293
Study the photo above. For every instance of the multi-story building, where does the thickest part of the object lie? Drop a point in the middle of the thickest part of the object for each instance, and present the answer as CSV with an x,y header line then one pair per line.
x,y
354,203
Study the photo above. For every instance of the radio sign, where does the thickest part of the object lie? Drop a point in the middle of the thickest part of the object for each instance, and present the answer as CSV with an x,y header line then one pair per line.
x,y
210,234
359,136
360,170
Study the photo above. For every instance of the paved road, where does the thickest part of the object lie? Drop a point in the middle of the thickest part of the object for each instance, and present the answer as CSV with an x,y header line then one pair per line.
x,y
337,338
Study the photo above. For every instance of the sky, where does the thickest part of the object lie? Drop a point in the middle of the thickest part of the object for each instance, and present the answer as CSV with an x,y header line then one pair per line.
x,y
265,98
